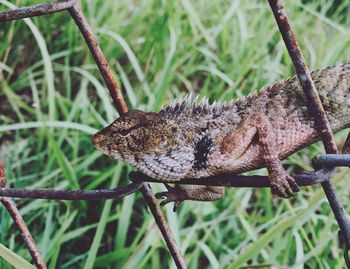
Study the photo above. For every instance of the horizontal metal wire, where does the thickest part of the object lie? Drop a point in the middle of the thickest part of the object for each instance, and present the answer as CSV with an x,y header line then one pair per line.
x,y
304,179
91,195
37,10
332,160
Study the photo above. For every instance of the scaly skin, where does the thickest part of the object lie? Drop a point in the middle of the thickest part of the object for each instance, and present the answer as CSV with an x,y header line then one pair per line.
x,y
191,139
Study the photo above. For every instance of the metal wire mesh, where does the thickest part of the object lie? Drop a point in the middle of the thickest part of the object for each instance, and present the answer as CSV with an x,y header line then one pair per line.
x,y
322,176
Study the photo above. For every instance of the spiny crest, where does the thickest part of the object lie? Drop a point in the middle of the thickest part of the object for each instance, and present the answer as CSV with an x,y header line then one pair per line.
x,y
192,106
189,105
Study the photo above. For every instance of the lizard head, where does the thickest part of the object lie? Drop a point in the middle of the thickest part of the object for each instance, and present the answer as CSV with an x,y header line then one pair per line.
x,y
147,141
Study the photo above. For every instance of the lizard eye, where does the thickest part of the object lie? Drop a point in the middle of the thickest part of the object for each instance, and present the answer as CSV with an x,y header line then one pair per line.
x,y
163,144
124,132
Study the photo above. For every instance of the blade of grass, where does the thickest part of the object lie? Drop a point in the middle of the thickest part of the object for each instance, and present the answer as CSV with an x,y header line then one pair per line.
x,y
13,259
92,254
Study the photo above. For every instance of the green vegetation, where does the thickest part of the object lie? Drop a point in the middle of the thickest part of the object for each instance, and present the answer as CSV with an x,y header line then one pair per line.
x,y
52,99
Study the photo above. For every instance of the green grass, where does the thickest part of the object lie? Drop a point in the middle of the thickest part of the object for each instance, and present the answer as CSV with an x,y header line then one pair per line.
x,y
52,99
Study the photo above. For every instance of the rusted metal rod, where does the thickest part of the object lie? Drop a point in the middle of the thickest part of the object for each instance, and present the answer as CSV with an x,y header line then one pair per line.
x,y
119,102
100,59
92,195
332,160
20,224
314,101
23,229
37,10
315,107
305,179
163,226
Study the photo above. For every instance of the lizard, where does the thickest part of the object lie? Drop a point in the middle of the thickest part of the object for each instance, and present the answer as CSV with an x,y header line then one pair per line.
x,y
195,139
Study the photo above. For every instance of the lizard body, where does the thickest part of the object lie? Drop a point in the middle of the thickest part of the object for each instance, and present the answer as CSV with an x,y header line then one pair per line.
x,y
193,139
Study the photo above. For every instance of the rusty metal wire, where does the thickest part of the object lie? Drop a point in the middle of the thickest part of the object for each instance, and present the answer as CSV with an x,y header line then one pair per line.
x,y
37,10
315,108
331,160
163,226
20,224
106,72
321,176
305,179
92,195
100,59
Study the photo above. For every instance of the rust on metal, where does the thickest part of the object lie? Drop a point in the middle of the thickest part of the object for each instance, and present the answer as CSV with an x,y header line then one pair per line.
x,y
23,229
118,101
332,160
99,57
163,225
91,195
2,176
314,101
37,10
20,224
315,108
304,179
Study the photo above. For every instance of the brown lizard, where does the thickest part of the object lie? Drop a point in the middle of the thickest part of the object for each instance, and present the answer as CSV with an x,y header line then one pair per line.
x,y
194,139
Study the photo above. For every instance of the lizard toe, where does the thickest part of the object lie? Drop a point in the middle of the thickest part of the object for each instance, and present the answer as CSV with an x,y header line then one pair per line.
x,y
293,184
281,187
168,200
278,190
174,194
161,195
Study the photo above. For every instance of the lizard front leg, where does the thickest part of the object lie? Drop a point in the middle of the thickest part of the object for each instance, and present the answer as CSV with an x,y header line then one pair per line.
x,y
238,141
181,192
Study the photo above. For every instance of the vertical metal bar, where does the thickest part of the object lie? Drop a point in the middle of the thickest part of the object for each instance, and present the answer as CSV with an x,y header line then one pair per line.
x,y
119,102
20,224
23,229
100,59
315,108
95,49
163,226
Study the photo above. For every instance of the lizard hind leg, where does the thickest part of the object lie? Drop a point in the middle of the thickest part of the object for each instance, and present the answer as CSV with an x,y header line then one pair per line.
x,y
281,183
182,192
237,142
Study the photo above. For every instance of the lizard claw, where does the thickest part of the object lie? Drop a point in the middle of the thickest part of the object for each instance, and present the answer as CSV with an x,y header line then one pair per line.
x,y
174,194
283,185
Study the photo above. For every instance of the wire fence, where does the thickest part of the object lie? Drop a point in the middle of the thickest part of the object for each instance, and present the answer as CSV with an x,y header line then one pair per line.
x,y
323,164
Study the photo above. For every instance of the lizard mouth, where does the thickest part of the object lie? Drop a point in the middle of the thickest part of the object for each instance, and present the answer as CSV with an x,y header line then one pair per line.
x,y
101,144
99,141
96,139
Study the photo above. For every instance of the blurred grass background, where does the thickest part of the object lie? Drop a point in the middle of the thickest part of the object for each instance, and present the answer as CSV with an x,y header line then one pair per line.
x,y
52,99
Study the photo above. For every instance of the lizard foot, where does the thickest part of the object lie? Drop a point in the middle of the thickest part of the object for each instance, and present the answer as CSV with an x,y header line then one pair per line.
x,y
174,194
283,185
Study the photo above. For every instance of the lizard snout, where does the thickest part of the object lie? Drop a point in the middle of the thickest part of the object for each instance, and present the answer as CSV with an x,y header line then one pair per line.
x,y
97,138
